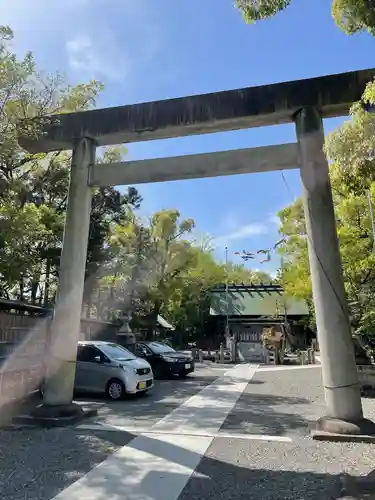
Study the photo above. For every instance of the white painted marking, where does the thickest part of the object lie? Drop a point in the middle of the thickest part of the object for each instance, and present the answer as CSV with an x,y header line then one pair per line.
x,y
158,465
149,432
207,410
254,437
147,468
286,368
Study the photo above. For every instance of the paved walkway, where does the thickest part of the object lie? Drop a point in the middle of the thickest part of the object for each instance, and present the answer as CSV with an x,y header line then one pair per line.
x,y
159,462
241,434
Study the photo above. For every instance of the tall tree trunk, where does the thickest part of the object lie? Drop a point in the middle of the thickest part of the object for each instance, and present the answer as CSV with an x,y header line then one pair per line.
x,y
34,290
22,288
161,290
35,286
153,320
47,282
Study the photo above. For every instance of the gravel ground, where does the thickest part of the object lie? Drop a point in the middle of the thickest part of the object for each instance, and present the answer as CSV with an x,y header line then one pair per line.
x,y
240,469
283,402
36,464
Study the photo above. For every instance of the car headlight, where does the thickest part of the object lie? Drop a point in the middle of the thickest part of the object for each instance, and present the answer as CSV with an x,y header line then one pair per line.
x,y
127,368
168,359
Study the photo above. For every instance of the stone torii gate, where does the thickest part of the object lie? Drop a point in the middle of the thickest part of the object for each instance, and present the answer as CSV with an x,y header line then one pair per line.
x,y
303,102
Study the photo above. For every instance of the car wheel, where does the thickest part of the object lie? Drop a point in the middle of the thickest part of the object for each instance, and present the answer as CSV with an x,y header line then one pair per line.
x,y
115,389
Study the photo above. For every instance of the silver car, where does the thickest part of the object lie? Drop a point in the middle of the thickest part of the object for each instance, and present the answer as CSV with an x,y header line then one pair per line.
x,y
106,367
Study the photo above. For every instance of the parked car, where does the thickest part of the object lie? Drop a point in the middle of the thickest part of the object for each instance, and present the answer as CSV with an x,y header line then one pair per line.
x,y
106,367
164,360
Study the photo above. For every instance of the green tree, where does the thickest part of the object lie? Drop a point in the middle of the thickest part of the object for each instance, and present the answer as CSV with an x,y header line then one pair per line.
x,y
171,256
25,179
36,186
352,145
189,302
109,207
147,261
356,248
129,267
351,16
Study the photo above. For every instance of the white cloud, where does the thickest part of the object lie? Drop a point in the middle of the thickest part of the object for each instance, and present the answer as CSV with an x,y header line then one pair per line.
x,y
274,220
246,231
90,59
116,43
109,40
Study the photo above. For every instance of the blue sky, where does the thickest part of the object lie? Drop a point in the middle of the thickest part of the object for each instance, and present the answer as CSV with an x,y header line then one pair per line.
x,y
156,49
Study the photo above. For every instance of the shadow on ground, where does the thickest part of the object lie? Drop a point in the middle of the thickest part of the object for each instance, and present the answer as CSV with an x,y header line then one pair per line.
x,y
38,463
268,414
146,410
166,396
253,413
213,478
287,403
42,463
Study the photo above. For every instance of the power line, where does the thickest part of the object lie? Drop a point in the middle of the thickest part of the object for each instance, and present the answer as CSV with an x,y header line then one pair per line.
x,y
342,306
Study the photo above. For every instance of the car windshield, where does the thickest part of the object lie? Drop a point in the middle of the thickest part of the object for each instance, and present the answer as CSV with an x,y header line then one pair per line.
x,y
159,348
117,352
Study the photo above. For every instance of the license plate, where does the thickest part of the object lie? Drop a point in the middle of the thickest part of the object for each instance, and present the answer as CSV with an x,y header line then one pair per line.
x,y
142,385
187,366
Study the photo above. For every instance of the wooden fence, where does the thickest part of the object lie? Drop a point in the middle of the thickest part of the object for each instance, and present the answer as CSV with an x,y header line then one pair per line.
x,y
24,338
23,344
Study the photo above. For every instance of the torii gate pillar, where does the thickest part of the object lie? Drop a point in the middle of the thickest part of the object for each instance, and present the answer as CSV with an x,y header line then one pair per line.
x,y
340,377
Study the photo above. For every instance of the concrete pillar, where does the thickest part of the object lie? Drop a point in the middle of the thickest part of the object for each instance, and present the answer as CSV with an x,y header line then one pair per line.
x,y
221,353
200,355
65,329
233,348
301,358
340,377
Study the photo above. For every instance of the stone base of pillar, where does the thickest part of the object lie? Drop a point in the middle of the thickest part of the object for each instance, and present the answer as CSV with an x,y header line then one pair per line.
x,y
57,416
335,429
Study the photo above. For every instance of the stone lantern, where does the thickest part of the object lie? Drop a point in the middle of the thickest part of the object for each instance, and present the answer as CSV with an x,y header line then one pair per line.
x,y
125,336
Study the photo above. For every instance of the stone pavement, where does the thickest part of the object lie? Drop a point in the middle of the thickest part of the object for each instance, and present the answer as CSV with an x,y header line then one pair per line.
x,y
230,434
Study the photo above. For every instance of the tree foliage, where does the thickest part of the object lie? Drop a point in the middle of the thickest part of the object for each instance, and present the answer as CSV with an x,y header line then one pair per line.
x,y
352,145
351,16
256,10
33,188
